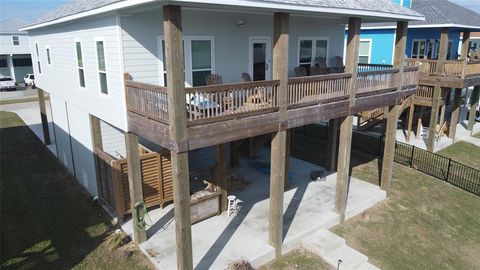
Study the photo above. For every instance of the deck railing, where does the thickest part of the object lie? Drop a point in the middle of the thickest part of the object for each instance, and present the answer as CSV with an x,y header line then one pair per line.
x,y
307,91
375,81
147,100
424,92
213,103
451,68
373,67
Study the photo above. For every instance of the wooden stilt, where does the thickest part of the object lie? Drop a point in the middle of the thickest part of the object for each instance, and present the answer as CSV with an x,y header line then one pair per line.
x,y
411,114
332,144
344,151
442,115
172,25
279,157
419,122
135,187
437,90
235,154
221,174
455,114
43,116
473,107
392,117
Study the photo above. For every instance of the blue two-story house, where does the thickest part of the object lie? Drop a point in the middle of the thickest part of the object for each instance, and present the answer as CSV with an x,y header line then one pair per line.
x,y
423,45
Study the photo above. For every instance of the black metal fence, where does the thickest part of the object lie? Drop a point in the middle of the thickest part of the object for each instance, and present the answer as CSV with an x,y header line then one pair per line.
x,y
443,168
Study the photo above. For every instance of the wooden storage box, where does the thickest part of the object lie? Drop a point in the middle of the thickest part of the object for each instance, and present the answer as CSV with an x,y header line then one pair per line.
x,y
204,204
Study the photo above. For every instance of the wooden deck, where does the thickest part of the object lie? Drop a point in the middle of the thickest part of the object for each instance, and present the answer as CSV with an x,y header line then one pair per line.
x,y
455,73
229,112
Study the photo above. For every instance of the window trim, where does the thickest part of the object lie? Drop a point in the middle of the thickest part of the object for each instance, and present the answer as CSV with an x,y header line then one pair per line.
x,y
187,41
48,53
419,40
370,45
37,54
78,67
13,40
314,40
102,39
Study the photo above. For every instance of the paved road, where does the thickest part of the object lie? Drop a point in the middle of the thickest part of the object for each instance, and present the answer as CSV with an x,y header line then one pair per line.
x,y
20,93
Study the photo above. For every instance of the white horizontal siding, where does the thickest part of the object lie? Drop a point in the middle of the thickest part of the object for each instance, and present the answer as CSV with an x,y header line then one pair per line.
x,y
140,31
7,47
61,78
113,141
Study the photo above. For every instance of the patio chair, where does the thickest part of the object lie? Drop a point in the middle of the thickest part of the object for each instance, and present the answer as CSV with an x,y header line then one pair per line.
x,y
213,79
337,66
320,67
300,72
246,77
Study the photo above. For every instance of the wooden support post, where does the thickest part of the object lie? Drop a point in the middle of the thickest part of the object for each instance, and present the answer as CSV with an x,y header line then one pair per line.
x,y
392,117
97,144
455,114
221,174
437,90
172,25
419,122
135,187
442,115
411,115
344,151
332,144
465,44
279,141
43,116
235,154
473,107
288,151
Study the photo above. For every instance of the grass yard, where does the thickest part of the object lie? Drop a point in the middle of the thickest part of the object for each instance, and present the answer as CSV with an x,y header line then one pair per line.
x,y
463,152
47,220
425,223
299,259
477,135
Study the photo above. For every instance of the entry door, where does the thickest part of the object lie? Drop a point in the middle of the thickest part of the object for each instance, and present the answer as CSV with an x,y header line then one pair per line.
x,y
260,58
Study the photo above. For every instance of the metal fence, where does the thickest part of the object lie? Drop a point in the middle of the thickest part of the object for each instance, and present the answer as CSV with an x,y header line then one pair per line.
x,y
443,168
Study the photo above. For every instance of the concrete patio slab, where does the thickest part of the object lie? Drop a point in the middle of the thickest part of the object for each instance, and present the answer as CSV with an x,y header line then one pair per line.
x,y
308,207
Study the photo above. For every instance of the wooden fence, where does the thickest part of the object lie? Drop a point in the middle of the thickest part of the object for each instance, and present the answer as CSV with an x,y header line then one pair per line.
x,y
113,180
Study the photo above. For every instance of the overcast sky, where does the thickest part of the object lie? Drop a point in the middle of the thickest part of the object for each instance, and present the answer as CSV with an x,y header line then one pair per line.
x,y
31,10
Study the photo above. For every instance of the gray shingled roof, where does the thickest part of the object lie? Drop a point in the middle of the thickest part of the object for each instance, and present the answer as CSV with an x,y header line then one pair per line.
x,y
439,12
13,25
381,6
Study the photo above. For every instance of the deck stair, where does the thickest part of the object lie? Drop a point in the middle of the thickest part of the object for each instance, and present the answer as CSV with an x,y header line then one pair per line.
x,y
333,248
369,119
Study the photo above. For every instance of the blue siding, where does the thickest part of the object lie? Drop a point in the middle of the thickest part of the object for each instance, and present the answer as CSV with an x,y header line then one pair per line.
x,y
382,45
406,3
432,33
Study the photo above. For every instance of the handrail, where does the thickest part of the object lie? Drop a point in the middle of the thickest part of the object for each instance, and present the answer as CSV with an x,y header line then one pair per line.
x,y
213,103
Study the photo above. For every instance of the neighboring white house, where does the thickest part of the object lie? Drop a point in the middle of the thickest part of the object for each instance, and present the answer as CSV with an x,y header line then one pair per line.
x,y
15,59
81,51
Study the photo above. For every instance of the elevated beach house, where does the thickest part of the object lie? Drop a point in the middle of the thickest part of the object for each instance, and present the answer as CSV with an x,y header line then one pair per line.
x,y
15,59
444,70
182,77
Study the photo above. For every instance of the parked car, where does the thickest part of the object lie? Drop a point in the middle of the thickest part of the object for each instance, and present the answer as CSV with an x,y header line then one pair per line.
x,y
29,79
6,83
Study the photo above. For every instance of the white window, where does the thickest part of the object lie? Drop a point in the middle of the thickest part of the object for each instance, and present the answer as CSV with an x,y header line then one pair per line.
x,y
418,48
15,40
49,58
81,74
199,59
364,51
102,69
312,50
38,59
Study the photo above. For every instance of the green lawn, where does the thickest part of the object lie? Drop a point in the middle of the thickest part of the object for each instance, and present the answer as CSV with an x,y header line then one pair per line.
x,y
299,259
425,223
463,152
47,220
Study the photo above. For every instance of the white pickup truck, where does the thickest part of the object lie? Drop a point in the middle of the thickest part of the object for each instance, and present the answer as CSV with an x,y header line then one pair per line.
x,y
6,83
